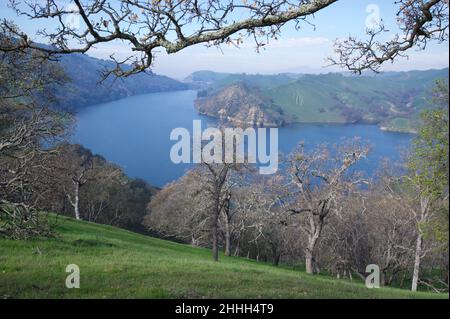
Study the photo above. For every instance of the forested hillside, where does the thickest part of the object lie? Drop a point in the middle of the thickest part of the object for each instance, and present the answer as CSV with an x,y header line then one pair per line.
x,y
83,88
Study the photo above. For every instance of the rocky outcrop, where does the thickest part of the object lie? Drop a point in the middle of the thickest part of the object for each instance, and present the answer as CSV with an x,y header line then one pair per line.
x,y
240,104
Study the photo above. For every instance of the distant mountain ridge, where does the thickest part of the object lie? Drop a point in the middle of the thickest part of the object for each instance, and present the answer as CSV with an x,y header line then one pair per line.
x,y
393,100
84,88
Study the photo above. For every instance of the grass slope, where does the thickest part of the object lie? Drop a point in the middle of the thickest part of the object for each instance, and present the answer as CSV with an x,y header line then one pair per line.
x,y
393,100
115,263
375,98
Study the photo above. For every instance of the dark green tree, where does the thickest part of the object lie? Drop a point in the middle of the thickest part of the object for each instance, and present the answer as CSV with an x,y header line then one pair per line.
x,y
429,172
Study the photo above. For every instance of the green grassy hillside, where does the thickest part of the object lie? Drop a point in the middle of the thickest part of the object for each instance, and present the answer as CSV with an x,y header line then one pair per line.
x,y
393,100
338,98
115,263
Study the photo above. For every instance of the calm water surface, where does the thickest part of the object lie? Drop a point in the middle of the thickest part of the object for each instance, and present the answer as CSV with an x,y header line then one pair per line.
x,y
134,133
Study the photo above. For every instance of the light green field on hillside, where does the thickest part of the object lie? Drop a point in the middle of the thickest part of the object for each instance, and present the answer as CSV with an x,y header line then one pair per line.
x,y
392,100
115,263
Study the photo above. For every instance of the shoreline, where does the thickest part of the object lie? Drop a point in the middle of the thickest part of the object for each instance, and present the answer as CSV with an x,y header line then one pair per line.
x,y
287,124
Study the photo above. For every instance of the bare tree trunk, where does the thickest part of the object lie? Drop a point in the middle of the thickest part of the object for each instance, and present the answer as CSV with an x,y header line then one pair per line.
x,y
193,240
424,202
215,249
237,250
227,244
383,277
76,200
402,281
227,237
227,214
276,260
257,251
215,229
311,247
417,258
309,261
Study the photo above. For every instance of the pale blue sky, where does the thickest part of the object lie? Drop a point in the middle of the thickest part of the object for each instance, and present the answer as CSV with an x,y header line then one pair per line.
x,y
296,51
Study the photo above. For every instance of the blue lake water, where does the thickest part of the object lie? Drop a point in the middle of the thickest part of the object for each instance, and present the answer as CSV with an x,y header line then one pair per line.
x,y
134,133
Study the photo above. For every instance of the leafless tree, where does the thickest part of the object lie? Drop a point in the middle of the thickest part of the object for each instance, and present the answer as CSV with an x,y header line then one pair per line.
x,y
371,226
173,25
180,211
420,22
228,213
26,123
392,232
422,211
346,247
22,161
215,185
319,179
259,230
76,166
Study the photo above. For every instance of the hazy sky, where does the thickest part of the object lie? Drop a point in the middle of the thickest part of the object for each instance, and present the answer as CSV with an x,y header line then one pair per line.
x,y
296,51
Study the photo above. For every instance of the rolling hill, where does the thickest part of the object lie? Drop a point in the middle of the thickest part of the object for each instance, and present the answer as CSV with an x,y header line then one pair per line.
x,y
116,263
392,100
